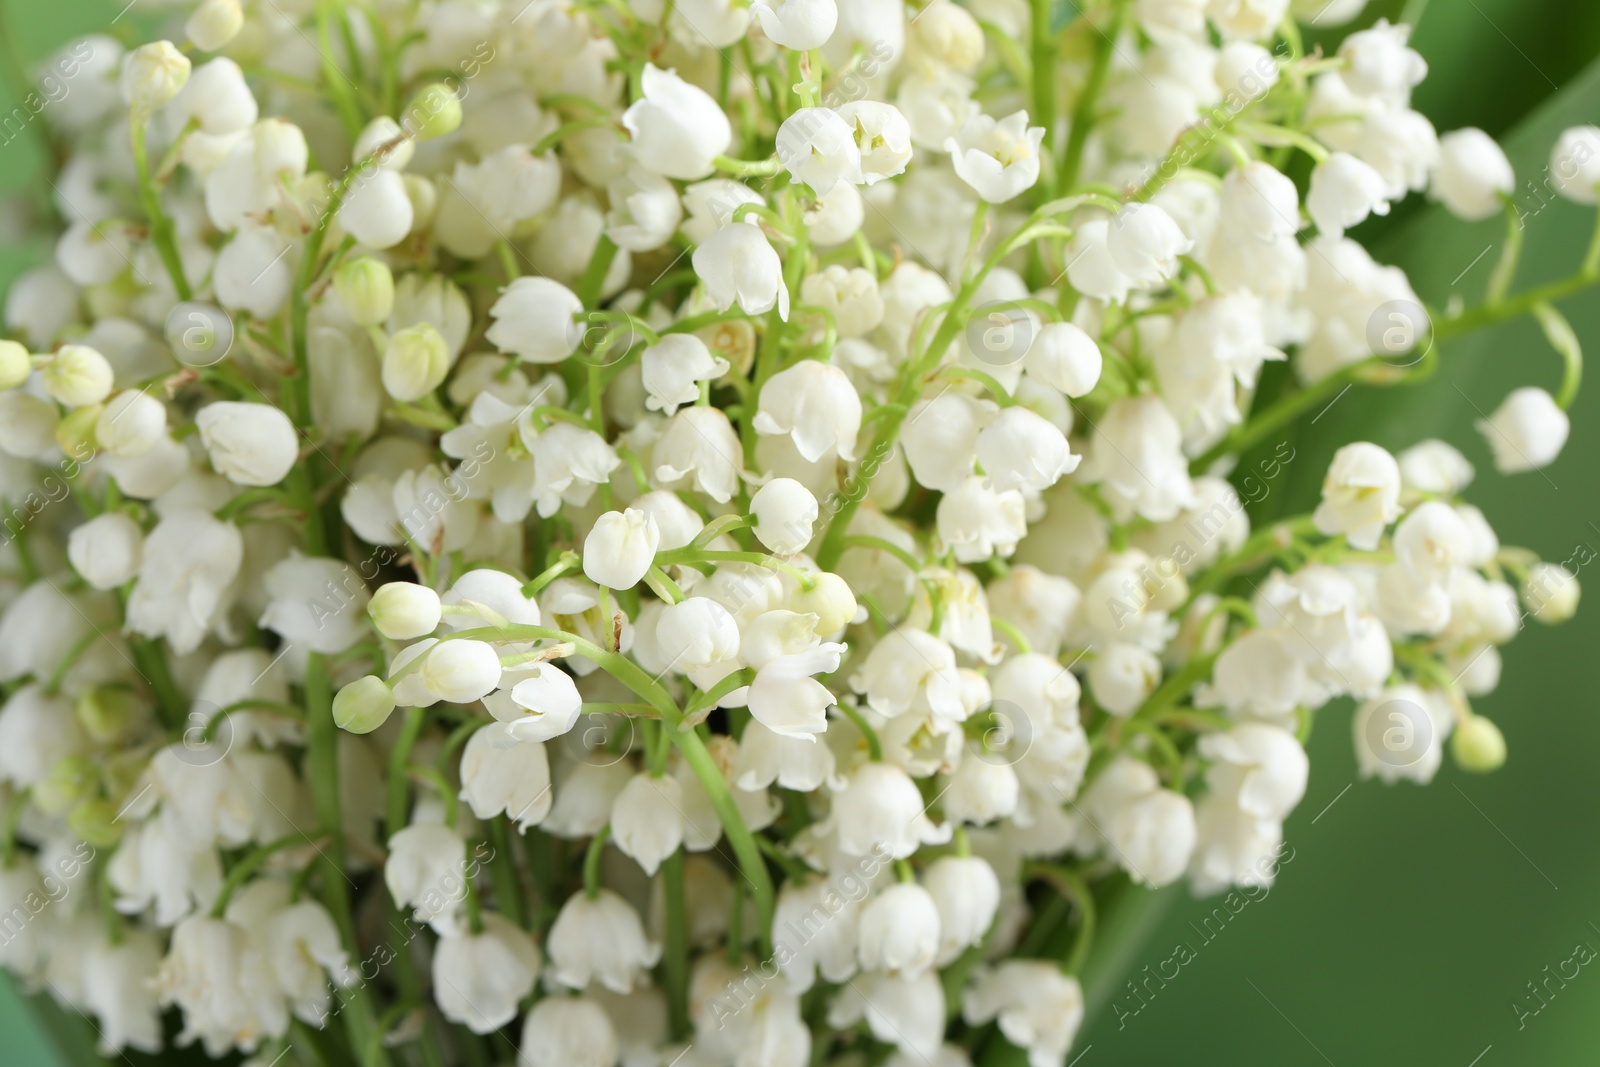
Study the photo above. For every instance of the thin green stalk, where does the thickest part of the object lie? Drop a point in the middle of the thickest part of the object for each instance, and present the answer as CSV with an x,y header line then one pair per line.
x,y
248,866
1083,111
162,233
591,862
675,950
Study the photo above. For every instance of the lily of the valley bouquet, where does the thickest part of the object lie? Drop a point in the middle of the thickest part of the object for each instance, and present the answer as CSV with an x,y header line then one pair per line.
x,y
685,532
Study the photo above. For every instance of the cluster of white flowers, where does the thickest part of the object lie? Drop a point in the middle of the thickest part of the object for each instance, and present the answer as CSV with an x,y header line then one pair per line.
x,y
677,530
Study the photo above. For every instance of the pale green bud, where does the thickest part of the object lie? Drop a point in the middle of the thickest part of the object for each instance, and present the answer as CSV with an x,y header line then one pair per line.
x,y
1478,745
363,705
405,611
106,713
416,362
830,600
214,23
365,288
433,112
72,779
15,365
78,375
95,821
75,432
152,74
1551,593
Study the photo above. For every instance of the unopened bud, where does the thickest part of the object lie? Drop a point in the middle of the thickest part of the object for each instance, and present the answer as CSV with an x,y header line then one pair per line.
x,y
214,23
75,432
405,611
78,375
1478,745
433,112
15,365
107,712
95,821
363,705
153,74
365,288
1551,593
830,600
70,780
416,362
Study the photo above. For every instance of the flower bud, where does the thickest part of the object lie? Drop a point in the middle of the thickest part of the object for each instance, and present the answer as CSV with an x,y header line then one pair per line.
x,y
1473,174
1065,358
415,363
249,444
78,375
404,611
1478,745
15,365
214,23
106,550
1575,164
830,600
377,211
433,112
784,511
75,432
131,424
798,24
363,705
365,288
70,780
1551,593
949,34
107,712
1527,431
153,74
620,548
96,822
460,672
534,319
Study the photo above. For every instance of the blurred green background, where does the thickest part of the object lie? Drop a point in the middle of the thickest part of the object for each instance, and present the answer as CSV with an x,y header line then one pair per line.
x,y
1411,921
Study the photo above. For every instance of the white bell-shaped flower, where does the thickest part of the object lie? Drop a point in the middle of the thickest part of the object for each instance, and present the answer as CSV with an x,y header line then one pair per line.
x,y
620,548
106,550
1473,176
316,603
966,891
480,979
881,812
798,24
501,775
674,367
999,159
645,211
1360,495
678,130
647,820
1344,191
1526,432
1063,357
249,444
544,704
785,512
816,405
700,441
1145,244
186,578
1038,1008
818,148
1020,449
1262,768
899,931
460,672
534,319
882,136
568,1032
600,940
426,871
737,265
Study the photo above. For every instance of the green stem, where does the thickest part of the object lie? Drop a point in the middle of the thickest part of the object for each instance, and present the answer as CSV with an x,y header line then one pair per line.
x,y
162,233
675,950
250,864
591,862
1044,74
1083,110
503,869
874,746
